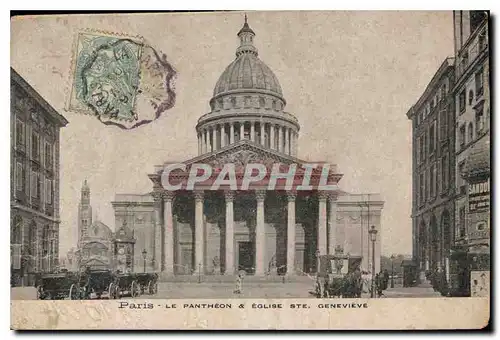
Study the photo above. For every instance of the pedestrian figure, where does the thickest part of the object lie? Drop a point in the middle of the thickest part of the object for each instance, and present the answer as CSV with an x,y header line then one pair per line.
x,y
386,278
239,283
319,288
366,282
326,290
379,284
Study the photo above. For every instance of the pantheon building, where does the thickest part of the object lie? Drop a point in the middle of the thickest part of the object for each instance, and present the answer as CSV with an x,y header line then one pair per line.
x,y
264,232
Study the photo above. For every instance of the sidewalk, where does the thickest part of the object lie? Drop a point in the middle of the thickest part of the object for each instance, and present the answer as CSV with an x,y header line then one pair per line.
x,y
23,293
411,292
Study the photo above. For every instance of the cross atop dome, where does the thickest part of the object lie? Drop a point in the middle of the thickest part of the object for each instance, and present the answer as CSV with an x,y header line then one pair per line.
x,y
246,35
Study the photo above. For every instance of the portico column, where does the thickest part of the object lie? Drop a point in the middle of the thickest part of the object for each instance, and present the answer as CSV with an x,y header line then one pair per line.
x,y
252,131
199,144
271,144
262,133
260,236
215,138
205,141
280,139
223,135
168,234
332,223
287,141
290,234
211,138
242,131
229,268
322,223
198,231
231,133
157,265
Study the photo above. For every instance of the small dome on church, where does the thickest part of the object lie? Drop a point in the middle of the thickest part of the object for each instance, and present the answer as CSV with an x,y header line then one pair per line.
x,y
99,230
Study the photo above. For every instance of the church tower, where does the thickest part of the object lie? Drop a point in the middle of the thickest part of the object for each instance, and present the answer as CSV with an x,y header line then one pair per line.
x,y
84,212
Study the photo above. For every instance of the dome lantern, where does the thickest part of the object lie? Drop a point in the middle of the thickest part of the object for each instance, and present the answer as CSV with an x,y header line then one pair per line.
x,y
246,35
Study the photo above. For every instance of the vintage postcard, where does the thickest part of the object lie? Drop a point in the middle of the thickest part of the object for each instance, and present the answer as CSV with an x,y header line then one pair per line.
x,y
250,170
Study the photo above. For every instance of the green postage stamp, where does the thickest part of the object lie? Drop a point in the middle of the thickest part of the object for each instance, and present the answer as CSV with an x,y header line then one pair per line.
x,y
120,80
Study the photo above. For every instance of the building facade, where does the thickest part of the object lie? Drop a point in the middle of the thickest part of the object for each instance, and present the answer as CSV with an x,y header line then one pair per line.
x,y
261,231
34,194
472,114
433,163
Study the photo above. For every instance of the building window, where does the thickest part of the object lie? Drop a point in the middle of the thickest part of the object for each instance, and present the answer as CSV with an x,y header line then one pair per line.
x,y
35,184
461,101
461,136
432,180
444,173
32,241
421,148
248,99
461,222
471,97
20,177
233,102
471,132
443,92
432,137
482,40
262,102
48,155
35,146
461,181
421,193
476,19
443,125
20,140
48,191
479,81
479,120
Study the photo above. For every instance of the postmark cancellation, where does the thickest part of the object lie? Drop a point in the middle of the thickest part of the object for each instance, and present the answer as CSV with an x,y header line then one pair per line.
x,y
121,80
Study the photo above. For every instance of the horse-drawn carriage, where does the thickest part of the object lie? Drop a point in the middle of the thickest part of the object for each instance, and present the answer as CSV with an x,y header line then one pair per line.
x,y
57,286
95,284
338,277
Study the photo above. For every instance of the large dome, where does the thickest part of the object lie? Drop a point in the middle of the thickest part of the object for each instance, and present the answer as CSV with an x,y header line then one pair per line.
x,y
246,72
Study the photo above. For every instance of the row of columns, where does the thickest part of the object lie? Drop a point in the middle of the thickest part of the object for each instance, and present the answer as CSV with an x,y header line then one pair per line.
x,y
167,261
283,139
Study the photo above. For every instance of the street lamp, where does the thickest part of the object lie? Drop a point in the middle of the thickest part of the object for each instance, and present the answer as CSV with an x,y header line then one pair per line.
x,y
373,238
144,254
392,270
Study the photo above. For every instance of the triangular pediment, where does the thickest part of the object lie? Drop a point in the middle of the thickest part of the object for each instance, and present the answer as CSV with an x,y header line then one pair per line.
x,y
243,153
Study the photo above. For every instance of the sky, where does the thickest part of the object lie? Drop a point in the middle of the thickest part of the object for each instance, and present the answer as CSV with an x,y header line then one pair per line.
x,y
349,78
